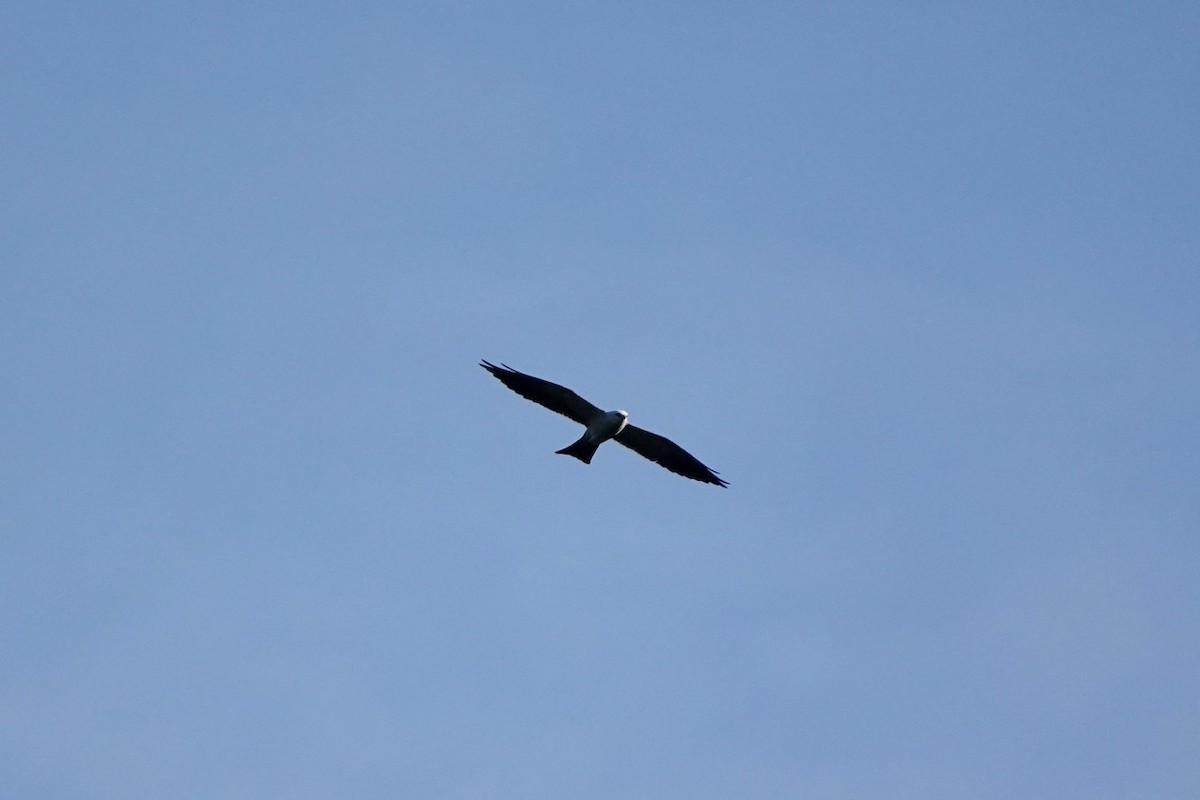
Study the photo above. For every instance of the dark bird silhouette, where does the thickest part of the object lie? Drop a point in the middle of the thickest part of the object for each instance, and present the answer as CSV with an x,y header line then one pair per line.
x,y
602,426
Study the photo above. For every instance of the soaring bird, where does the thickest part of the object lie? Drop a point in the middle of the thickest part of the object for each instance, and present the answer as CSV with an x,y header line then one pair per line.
x,y
602,426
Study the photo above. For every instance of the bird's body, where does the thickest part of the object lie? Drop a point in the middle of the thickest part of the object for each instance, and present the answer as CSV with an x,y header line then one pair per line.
x,y
602,426
599,430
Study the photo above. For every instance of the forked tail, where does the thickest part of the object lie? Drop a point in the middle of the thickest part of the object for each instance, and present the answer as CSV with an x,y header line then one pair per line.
x,y
582,449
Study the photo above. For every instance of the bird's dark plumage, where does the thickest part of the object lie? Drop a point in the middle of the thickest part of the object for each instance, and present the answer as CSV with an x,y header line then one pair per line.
x,y
602,426
665,453
557,398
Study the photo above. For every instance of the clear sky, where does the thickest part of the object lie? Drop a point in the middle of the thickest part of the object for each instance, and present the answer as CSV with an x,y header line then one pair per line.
x,y
921,280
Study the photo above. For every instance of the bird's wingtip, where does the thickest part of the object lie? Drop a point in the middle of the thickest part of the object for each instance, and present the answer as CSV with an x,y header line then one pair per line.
x,y
492,368
716,478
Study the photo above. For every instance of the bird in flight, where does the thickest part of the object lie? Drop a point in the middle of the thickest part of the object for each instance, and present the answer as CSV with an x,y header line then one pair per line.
x,y
602,426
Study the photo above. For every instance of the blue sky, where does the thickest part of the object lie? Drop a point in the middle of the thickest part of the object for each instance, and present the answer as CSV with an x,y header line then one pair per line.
x,y
920,281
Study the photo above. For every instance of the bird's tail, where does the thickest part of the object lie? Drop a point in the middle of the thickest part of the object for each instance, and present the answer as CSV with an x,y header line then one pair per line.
x,y
582,449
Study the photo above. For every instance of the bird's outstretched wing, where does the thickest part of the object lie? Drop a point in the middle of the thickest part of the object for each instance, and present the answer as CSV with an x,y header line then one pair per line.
x,y
554,397
665,453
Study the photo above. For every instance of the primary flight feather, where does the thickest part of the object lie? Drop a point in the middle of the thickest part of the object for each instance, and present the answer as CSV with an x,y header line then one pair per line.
x,y
602,426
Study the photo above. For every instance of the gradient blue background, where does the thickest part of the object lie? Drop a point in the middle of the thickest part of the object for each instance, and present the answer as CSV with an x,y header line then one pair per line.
x,y
921,281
